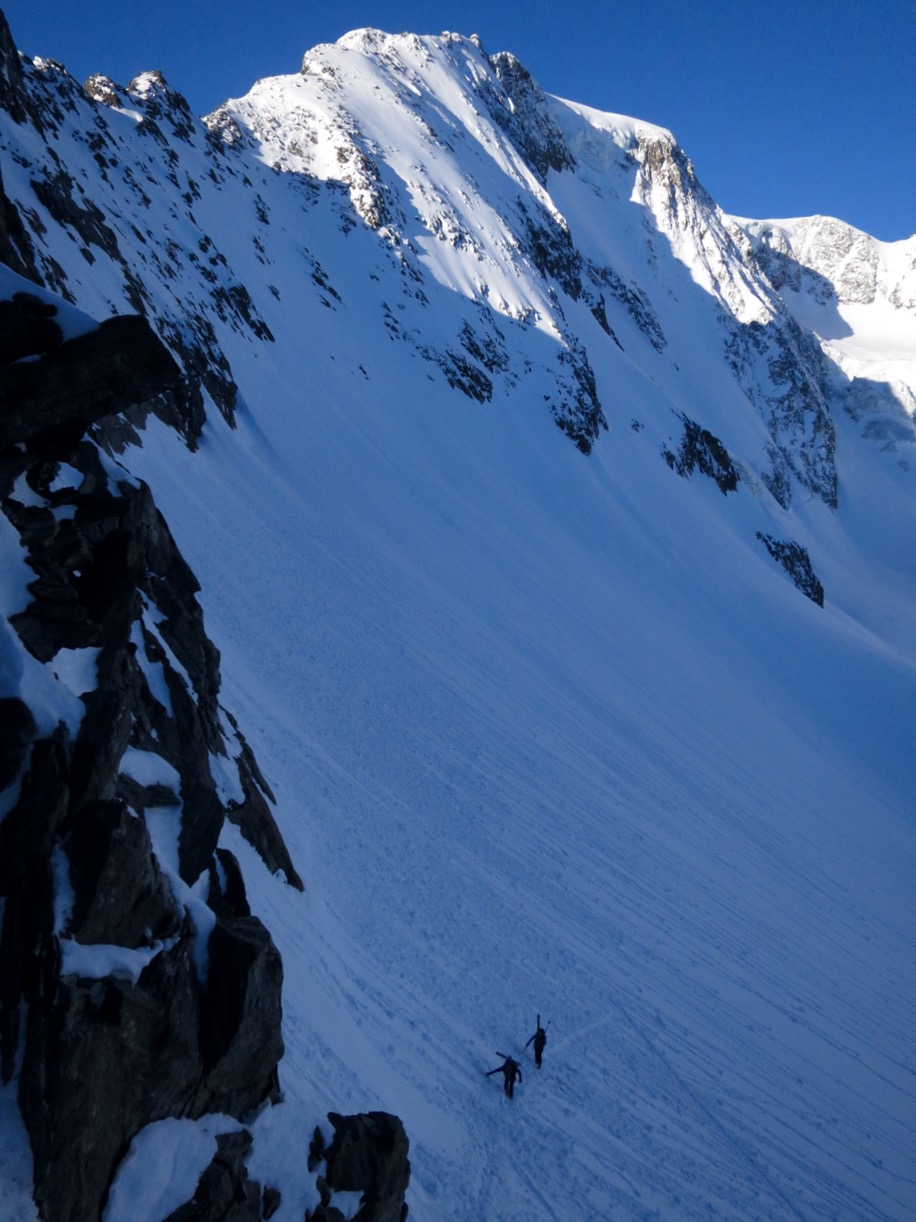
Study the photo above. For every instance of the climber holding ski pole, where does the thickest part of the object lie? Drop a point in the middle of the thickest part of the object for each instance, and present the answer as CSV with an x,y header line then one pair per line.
x,y
539,1039
511,1071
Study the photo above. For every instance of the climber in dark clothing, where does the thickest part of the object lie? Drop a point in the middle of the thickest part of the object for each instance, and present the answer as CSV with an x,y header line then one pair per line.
x,y
511,1070
540,1039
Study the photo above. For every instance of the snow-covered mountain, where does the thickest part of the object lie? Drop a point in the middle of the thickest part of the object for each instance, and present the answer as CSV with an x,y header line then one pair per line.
x,y
558,536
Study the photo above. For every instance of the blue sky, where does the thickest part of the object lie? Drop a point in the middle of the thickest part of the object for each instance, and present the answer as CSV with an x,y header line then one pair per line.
x,y
785,108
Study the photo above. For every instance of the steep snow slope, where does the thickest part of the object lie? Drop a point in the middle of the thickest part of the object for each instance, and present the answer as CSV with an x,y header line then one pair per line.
x,y
549,732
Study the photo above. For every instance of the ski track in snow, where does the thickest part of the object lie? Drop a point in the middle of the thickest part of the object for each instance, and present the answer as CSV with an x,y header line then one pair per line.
x,y
674,942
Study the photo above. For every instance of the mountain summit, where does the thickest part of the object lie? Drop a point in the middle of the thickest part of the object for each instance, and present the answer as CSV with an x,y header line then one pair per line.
x,y
556,534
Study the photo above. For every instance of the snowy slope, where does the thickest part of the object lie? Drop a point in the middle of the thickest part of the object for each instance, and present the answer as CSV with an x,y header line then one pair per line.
x,y
549,731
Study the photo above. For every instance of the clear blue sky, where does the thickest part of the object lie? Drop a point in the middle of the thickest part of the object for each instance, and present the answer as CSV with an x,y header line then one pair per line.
x,y
787,107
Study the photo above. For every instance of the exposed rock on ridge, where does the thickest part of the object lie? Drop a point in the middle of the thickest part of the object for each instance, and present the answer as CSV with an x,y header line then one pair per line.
x,y
528,119
136,984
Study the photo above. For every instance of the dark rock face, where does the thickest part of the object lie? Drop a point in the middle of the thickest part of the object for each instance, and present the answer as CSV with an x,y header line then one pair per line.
x,y
83,380
368,1154
797,563
632,297
252,815
701,451
27,328
103,1058
550,247
224,1192
783,371
120,894
10,75
527,118
18,732
121,1004
239,1017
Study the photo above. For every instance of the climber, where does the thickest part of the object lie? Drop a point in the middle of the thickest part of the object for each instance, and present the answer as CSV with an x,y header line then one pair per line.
x,y
540,1039
511,1070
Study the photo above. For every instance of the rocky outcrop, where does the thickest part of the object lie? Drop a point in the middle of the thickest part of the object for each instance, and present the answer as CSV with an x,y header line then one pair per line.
x,y
783,372
524,113
823,268
11,93
135,984
820,256
702,451
164,107
368,1154
797,563
27,328
225,1193
83,380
